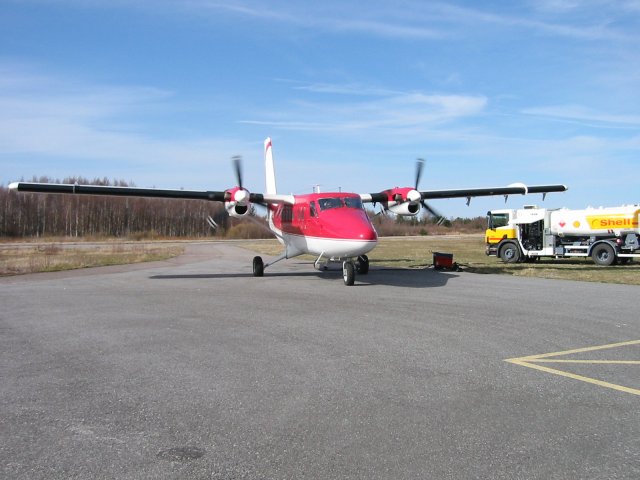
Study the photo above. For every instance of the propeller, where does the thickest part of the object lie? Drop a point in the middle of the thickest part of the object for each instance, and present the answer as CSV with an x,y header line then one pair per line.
x,y
242,195
432,211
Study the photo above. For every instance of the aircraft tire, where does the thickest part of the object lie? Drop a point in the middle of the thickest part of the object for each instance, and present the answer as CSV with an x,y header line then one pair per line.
x,y
348,273
362,265
258,267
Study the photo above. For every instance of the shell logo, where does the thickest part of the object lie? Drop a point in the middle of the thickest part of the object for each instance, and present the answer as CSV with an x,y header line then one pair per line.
x,y
612,221
576,224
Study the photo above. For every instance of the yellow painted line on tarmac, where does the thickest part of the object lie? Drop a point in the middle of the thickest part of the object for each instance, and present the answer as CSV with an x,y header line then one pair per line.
x,y
605,362
533,361
581,350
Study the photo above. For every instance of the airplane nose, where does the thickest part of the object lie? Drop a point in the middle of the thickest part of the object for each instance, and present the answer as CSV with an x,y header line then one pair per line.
x,y
362,229
349,224
367,232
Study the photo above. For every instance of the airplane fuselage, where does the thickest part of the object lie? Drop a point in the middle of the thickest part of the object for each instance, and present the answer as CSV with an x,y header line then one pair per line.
x,y
334,225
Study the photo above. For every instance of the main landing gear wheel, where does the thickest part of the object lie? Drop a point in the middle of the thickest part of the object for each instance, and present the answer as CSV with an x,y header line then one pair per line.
x,y
348,273
258,267
362,265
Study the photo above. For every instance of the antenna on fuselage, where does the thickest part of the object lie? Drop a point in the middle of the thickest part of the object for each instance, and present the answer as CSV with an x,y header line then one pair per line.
x,y
316,188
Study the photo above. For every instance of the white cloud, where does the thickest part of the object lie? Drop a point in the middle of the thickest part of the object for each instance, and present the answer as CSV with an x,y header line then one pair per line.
x,y
388,111
436,20
585,115
52,120
405,20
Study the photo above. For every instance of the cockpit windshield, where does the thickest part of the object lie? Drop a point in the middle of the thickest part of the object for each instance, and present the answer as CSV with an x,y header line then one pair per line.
x,y
353,202
337,202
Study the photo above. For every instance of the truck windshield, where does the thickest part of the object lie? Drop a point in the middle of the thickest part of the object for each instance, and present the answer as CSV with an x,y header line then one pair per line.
x,y
497,220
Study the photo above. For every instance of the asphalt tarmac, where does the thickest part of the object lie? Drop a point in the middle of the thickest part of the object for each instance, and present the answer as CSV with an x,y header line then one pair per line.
x,y
192,368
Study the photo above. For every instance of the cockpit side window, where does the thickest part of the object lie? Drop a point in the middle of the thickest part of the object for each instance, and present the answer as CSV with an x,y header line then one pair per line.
x,y
312,209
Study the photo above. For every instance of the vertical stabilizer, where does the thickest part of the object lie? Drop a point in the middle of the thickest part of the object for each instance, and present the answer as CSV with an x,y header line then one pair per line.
x,y
270,173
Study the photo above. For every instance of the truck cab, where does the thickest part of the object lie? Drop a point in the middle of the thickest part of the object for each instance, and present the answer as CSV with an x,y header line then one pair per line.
x,y
499,228
515,235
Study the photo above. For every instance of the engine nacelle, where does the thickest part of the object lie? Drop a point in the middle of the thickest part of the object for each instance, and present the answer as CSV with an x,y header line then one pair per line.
x,y
403,201
237,210
237,204
407,209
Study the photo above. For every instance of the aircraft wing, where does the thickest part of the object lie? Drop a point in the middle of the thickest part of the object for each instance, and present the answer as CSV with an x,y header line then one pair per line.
x,y
215,196
116,191
517,189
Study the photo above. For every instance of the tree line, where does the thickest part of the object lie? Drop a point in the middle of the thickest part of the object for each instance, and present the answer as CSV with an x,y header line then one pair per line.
x,y
30,215
47,215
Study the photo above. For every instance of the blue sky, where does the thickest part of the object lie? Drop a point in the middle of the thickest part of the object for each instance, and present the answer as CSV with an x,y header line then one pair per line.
x,y
164,92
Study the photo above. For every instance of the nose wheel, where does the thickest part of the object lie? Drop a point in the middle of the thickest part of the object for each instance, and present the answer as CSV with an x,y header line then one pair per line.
x,y
258,267
348,272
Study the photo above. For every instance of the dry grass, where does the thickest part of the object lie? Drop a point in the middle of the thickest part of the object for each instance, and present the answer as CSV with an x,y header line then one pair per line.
x,y
403,252
16,259
468,252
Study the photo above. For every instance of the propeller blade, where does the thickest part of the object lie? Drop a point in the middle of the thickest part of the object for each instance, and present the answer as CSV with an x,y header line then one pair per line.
x,y
382,212
433,212
419,165
237,160
212,223
440,219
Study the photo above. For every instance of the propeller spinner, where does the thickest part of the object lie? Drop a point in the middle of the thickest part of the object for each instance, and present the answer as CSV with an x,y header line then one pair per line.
x,y
237,199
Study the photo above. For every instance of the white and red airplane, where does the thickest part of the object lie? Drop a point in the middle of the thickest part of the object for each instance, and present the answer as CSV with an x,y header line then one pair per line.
x,y
333,226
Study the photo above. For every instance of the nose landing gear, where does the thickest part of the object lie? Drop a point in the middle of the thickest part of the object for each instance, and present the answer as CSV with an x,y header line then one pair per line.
x,y
348,272
350,267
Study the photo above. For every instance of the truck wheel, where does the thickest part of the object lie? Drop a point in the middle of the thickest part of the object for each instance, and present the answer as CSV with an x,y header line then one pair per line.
x,y
510,253
603,255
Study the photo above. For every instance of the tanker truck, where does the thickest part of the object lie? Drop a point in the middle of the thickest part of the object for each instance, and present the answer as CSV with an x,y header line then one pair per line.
x,y
607,235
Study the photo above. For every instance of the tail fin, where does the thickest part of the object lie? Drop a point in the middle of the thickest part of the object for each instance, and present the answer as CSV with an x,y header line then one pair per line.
x,y
270,173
